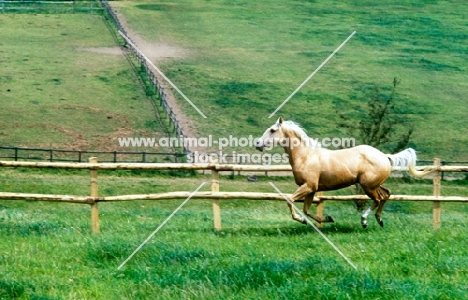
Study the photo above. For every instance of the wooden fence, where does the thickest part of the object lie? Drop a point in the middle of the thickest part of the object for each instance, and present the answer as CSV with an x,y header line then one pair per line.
x,y
93,199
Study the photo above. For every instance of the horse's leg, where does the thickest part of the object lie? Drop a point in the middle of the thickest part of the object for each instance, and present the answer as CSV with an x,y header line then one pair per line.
x,y
307,203
380,196
300,193
384,194
367,212
378,213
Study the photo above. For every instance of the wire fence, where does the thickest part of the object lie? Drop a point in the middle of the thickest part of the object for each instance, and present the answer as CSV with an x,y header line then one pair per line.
x,y
155,84
60,155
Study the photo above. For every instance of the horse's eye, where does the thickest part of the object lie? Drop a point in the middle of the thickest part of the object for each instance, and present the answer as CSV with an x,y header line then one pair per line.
x,y
272,130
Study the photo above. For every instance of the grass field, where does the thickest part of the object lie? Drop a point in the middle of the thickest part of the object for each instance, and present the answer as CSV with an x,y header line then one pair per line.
x,y
246,57
60,87
49,253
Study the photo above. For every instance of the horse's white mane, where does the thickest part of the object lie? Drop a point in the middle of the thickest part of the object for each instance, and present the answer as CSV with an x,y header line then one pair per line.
x,y
291,125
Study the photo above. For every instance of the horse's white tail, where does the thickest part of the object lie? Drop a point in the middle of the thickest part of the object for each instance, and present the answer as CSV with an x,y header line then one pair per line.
x,y
406,159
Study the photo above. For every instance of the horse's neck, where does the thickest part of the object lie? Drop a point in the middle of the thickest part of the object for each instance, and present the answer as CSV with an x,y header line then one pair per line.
x,y
297,151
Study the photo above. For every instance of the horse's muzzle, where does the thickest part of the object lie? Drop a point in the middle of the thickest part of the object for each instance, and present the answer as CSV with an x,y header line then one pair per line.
x,y
259,145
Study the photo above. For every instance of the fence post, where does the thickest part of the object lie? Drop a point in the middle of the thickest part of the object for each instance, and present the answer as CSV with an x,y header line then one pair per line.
x,y
319,210
436,204
216,208
94,193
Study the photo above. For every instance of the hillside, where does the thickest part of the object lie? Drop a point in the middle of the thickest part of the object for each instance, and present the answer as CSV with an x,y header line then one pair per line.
x,y
65,84
242,59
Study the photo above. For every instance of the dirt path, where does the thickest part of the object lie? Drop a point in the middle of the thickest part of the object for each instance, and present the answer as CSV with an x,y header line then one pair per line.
x,y
158,52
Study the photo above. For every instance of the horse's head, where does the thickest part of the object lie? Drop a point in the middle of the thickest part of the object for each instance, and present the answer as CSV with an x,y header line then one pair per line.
x,y
271,137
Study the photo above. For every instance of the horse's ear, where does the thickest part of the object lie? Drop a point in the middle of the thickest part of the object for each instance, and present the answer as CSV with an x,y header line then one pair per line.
x,y
280,120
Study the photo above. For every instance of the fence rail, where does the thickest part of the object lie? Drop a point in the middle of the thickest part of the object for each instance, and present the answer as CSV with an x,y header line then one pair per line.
x,y
211,195
185,166
79,156
93,199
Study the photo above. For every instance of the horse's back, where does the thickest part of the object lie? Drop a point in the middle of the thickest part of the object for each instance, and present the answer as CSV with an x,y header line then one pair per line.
x,y
344,167
356,153
368,157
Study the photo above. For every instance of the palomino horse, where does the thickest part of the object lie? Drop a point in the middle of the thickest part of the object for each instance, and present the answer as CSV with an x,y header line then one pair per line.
x,y
317,169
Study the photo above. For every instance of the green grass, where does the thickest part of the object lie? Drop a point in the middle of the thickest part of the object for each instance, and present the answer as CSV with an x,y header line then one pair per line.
x,y
55,93
246,54
50,253
244,59
51,7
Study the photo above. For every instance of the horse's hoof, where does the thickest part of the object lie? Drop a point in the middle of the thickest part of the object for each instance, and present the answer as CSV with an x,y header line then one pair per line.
x,y
364,222
381,223
329,219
